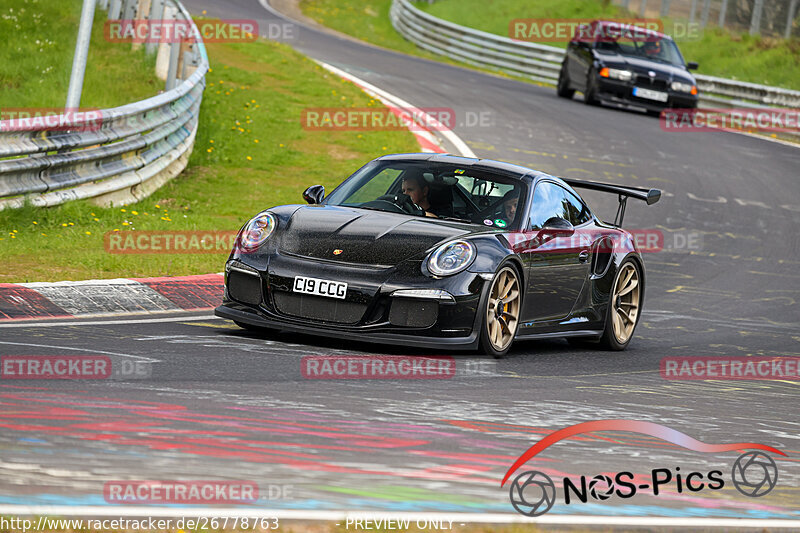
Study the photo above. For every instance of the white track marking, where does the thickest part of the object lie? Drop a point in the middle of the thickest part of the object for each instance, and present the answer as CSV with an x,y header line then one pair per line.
x,y
384,96
91,351
339,516
78,322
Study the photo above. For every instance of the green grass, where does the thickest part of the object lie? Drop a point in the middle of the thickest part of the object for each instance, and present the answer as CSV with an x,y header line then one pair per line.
x,y
36,59
250,153
720,53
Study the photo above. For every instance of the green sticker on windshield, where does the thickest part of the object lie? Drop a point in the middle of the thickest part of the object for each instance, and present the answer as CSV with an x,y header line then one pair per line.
x,y
500,223
459,171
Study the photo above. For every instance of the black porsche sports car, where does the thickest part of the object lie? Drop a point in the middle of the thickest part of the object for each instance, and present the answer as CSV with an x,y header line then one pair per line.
x,y
623,64
441,251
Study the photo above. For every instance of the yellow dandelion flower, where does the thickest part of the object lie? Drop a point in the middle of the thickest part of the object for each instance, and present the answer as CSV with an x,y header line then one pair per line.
x,y
44,234
134,212
71,223
116,229
249,158
97,219
210,150
35,222
252,101
88,232
15,231
158,207
281,145
124,223
255,141
211,141
65,224
123,210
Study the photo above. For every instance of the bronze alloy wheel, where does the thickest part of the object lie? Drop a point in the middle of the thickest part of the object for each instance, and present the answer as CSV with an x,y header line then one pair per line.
x,y
625,302
502,309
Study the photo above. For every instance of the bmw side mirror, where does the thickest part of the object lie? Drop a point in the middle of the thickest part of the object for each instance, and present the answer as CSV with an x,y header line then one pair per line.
x,y
314,194
558,227
692,65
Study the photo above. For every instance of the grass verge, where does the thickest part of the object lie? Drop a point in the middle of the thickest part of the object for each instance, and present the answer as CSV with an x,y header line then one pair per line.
x,y
36,59
251,153
719,52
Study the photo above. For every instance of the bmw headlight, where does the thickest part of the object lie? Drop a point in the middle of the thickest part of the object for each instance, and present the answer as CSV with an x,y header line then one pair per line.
x,y
451,258
679,86
257,231
616,74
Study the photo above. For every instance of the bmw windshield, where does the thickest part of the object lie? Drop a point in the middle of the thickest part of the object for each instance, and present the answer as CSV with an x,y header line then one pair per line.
x,y
661,50
433,189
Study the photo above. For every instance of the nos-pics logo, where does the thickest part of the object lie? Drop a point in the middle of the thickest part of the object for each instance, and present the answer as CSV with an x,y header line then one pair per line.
x,y
533,493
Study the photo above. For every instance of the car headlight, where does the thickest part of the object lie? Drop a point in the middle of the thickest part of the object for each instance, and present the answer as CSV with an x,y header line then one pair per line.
x,y
451,257
616,74
679,86
257,231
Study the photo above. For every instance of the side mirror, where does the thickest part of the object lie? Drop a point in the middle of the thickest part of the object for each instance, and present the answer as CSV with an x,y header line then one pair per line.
x,y
558,227
314,194
692,65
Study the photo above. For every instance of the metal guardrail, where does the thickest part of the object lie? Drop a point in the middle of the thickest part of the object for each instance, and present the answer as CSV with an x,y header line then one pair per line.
x,y
126,154
542,63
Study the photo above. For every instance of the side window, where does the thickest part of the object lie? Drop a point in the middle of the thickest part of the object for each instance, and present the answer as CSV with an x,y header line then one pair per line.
x,y
578,212
548,202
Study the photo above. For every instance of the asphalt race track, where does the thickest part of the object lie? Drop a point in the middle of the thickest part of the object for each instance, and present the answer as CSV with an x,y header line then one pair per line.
x,y
217,402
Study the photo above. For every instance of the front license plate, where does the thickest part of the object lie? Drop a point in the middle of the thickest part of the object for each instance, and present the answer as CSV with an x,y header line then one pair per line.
x,y
650,95
320,287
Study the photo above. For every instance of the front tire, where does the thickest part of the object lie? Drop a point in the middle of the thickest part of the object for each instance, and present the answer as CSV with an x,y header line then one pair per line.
x,y
624,307
590,93
501,312
562,89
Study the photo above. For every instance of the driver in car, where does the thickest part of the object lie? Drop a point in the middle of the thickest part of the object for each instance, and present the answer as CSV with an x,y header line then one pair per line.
x,y
510,201
418,190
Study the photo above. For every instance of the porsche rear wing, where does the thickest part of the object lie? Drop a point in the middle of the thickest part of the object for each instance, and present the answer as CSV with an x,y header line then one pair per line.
x,y
650,196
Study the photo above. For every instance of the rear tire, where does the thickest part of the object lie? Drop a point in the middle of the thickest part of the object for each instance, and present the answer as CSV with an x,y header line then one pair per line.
x,y
624,307
501,312
562,89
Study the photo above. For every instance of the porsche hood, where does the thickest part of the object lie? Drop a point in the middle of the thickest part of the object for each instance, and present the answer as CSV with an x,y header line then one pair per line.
x,y
361,236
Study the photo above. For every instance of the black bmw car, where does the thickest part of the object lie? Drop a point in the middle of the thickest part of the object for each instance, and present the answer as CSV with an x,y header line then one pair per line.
x,y
441,252
617,63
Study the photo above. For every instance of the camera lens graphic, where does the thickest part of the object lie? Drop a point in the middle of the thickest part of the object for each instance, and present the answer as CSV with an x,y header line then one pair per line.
x,y
532,493
601,487
754,474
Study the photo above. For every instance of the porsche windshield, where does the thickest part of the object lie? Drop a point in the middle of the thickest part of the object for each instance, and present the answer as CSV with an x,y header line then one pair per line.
x,y
436,190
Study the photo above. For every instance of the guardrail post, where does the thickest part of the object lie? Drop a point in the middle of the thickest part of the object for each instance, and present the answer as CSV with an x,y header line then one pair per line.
x,y
755,21
790,19
626,3
693,12
102,4
156,14
114,9
174,55
129,9
642,8
164,49
81,52
722,12
664,8
704,14
142,11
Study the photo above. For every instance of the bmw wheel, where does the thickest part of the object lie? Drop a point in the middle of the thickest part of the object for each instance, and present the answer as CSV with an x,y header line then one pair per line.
x,y
563,90
501,314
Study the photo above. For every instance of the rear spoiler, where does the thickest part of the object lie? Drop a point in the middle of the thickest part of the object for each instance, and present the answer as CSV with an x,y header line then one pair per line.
x,y
650,196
